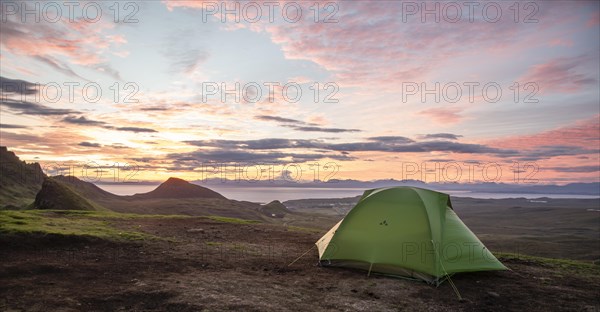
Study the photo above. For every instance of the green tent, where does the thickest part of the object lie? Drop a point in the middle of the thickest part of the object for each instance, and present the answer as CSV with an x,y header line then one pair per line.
x,y
405,231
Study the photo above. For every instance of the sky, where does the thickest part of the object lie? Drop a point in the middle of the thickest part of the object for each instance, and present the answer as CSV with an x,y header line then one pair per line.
x,y
304,90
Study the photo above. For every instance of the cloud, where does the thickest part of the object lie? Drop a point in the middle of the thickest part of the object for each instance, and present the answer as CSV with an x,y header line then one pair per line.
x,y
29,108
17,86
443,115
574,169
447,136
363,44
119,146
78,41
580,138
321,129
377,144
51,140
300,125
563,74
260,144
82,120
396,139
594,20
198,4
89,144
366,45
156,109
185,56
18,138
421,147
579,134
132,129
278,119
59,66
187,60
546,152
9,126
193,159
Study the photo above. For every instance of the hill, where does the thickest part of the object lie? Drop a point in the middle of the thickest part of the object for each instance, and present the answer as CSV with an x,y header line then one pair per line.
x,y
178,188
174,196
24,186
274,209
19,181
85,189
57,195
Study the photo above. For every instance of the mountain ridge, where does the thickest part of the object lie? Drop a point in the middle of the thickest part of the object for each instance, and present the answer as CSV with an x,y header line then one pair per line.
x,y
577,188
19,181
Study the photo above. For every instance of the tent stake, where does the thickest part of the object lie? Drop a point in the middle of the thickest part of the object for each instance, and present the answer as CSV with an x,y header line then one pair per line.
x,y
370,267
447,275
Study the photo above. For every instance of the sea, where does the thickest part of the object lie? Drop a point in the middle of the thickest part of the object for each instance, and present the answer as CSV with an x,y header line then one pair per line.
x,y
267,194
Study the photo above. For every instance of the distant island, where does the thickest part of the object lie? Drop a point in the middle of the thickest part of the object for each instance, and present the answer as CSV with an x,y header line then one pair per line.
x,y
484,187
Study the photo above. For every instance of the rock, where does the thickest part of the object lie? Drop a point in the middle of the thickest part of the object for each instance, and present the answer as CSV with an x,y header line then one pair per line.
x,y
493,294
195,231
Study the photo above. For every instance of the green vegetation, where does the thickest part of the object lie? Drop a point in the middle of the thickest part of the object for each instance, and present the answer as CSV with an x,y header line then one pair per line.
x,y
564,266
71,223
232,220
56,194
106,214
86,223
31,222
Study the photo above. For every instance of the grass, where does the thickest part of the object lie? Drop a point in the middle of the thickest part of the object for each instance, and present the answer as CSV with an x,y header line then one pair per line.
x,y
563,266
71,223
85,223
27,222
106,214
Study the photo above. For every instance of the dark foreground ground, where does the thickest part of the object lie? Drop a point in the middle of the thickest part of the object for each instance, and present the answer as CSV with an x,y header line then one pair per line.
x,y
200,264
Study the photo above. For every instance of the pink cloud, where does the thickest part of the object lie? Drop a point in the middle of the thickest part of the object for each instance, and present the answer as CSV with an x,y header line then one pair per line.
x,y
368,49
199,4
79,42
561,42
560,75
443,115
594,20
582,134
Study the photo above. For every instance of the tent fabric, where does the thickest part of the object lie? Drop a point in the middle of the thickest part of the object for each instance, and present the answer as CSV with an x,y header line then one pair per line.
x,y
405,231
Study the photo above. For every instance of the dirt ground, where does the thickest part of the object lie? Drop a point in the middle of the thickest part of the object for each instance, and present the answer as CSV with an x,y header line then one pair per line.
x,y
205,265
